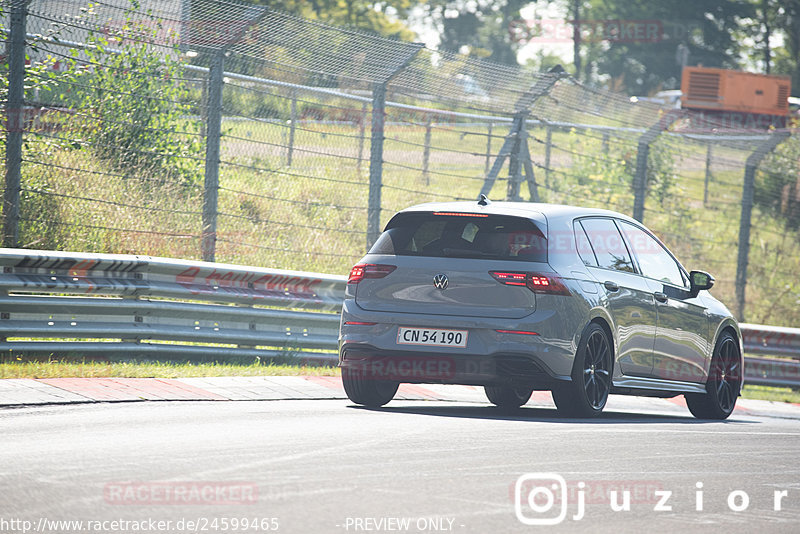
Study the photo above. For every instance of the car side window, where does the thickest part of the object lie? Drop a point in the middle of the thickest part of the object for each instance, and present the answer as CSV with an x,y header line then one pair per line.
x,y
654,261
584,248
607,244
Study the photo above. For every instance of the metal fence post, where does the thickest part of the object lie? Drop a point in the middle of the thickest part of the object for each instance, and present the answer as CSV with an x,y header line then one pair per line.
x,y
488,150
708,174
426,151
204,109
547,144
376,163
748,190
515,142
361,130
376,148
640,178
292,126
15,122
514,174
527,165
213,132
216,81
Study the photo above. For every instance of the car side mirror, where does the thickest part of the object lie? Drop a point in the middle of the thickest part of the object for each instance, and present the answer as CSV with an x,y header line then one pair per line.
x,y
700,280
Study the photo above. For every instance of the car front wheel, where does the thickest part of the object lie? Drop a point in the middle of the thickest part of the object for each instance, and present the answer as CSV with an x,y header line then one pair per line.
x,y
724,382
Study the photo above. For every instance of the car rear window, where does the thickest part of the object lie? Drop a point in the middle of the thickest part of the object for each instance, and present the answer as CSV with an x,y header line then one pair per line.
x,y
463,235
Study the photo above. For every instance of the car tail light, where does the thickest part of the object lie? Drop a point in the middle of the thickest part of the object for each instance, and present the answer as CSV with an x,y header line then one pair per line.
x,y
536,282
368,270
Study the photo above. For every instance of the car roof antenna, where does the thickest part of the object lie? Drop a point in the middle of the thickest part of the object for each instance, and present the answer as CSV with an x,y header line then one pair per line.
x,y
483,201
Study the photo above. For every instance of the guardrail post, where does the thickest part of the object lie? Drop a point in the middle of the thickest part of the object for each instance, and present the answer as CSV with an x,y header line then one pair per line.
x,y
642,154
213,129
376,148
15,121
751,165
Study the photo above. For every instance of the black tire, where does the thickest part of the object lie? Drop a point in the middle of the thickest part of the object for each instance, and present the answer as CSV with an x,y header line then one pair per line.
x,y
363,389
724,382
508,396
587,393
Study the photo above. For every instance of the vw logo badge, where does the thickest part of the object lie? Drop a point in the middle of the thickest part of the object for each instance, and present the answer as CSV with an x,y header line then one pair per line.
x,y
440,281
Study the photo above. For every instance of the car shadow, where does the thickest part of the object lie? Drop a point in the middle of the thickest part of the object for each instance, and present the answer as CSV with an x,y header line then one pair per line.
x,y
549,415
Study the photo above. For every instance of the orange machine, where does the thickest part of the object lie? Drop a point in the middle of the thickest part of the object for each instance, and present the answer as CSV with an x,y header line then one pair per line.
x,y
723,90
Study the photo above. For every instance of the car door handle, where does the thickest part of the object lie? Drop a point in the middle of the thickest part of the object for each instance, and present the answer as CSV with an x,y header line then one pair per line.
x,y
611,286
660,297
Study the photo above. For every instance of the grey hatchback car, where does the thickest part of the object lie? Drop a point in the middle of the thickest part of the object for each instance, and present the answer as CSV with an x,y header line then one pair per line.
x,y
517,297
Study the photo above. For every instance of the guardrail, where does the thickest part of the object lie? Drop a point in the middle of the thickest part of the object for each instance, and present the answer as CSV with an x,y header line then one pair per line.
x,y
161,306
141,305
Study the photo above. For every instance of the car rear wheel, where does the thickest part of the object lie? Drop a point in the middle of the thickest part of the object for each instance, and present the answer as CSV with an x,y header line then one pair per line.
x,y
363,389
587,393
724,382
508,396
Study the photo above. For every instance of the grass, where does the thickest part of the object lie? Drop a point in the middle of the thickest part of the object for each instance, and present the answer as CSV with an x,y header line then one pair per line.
x,y
771,394
151,369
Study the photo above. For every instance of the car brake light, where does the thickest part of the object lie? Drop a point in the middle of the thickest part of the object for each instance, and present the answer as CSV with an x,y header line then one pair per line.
x,y
457,214
536,282
509,279
368,270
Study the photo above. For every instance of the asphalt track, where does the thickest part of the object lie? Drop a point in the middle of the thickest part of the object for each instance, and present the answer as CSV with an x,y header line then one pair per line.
x,y
327,466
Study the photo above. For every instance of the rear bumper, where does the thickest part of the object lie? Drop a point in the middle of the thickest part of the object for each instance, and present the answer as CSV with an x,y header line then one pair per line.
x,y
493,352
440,368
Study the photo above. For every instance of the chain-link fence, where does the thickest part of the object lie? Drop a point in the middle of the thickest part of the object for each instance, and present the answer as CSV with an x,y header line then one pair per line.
x,y
228,131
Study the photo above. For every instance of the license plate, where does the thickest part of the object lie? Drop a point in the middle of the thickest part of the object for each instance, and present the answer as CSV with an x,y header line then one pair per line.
x,y
432,337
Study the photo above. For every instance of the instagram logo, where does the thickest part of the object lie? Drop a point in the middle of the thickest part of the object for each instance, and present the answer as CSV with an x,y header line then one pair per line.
x,y
537,496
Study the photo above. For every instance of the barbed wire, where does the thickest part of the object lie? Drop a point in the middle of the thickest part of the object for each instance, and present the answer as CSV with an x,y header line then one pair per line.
x,y
113,229
261,222
110,202
223,239
292,201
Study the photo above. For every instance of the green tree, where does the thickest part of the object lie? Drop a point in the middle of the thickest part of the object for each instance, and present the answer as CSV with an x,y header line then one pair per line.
x,y
787,57
709,29
481,28
130,100
383,18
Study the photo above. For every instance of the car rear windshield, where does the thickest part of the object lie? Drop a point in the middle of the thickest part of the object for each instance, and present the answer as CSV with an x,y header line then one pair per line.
x,y
463,235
